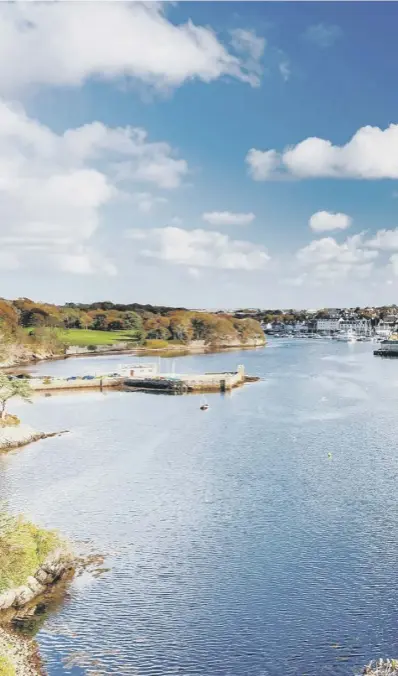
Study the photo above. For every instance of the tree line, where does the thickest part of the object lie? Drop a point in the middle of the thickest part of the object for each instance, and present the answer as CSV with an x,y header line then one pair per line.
x,y
146,321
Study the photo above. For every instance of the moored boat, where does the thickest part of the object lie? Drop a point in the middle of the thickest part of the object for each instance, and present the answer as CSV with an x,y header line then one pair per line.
x,y
388,348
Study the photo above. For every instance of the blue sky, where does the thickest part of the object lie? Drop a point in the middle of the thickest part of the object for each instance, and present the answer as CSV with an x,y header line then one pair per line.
x,y
199,154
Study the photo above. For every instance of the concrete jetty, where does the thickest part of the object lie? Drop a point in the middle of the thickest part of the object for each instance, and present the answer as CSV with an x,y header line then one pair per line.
x,y
146,377
190,382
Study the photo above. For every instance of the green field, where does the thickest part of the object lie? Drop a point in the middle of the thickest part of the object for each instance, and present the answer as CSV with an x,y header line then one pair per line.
x,y
84,337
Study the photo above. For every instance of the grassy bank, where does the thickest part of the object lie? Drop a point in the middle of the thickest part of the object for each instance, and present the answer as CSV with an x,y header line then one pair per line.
x,y
86,337
23,549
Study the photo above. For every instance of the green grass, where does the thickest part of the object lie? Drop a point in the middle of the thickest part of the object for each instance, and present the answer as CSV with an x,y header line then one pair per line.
x,y
6,667
23,548
85,337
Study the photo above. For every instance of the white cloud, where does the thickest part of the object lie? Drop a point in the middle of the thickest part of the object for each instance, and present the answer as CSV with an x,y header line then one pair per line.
x,y
218,218
146,202
53,187
285,69
327,250
394,265
372,153
247,41
323,221
111,40
138,159
323,35
85,262
198,248
262,164
385,240
176,220
325,259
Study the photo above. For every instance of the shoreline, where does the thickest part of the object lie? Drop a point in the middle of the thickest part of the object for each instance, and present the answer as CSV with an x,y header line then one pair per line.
x,y
21,652
13,437
55,567
178,350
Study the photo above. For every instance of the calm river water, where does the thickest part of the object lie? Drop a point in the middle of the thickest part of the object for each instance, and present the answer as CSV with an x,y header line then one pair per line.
x,y
236,546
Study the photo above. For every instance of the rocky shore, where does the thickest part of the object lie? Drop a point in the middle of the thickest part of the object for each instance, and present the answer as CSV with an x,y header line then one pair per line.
x,y
19,655
382,668
22,356
16,436
55,566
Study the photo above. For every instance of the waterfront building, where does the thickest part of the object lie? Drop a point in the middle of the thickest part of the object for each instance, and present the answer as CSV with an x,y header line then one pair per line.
x,y
361,327
384,329
328,325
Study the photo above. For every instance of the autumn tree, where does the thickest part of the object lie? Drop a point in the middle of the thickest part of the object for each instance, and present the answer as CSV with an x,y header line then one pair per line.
x,y
181,326
8,313
132,320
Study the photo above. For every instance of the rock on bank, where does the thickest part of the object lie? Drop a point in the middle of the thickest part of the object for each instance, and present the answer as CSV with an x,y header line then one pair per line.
x,y
56,565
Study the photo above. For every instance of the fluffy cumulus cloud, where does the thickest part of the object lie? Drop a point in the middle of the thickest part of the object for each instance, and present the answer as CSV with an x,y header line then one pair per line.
x,y
385,240
218,218
372,153
327,259
323,35
53,187
148,46
263,165
322,221
198,248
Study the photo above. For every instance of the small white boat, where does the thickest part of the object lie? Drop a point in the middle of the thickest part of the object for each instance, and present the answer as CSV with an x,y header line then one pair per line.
x,y
347,336
204,406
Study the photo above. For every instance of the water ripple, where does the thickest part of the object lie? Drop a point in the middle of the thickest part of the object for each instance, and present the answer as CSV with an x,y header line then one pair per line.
x,y
239,547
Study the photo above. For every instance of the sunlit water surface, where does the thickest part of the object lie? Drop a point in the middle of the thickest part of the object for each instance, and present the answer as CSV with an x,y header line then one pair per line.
x,y
236,545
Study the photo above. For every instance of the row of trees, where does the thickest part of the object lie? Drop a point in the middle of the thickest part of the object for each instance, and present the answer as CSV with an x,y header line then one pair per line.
x,y
27,313
156,323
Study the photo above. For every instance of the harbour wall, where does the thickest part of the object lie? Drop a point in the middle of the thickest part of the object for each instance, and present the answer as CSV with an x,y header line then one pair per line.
x,y
185,382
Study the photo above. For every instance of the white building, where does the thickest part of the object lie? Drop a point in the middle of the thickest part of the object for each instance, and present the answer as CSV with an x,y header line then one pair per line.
x,y
143,370
328,325
384,329
362,327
